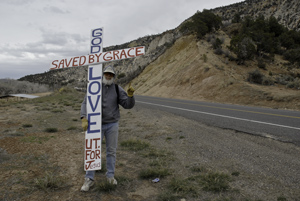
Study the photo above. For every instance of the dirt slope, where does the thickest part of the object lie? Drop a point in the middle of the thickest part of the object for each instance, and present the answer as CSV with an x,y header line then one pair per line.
x,y
191,70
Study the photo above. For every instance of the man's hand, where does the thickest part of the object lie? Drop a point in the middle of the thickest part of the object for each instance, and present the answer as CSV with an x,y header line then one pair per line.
x,y
84,124
130,90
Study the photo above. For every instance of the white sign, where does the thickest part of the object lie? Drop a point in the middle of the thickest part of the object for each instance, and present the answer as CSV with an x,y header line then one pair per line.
x,y
96,41
92,155
98,58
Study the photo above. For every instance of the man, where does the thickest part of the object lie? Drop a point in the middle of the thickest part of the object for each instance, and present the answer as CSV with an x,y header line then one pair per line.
x,y
112,96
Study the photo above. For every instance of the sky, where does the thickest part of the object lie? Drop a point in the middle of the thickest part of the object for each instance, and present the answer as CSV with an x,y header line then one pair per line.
x,y
34,33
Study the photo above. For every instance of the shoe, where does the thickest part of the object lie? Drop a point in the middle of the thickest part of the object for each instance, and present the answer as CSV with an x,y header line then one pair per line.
x,y
87,184
112,181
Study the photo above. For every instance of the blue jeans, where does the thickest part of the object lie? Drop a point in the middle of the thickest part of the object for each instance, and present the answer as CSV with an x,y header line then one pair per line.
x,y
110,132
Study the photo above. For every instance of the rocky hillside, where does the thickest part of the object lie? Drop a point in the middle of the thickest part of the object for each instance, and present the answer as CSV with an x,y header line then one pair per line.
x,y
287,12
180,66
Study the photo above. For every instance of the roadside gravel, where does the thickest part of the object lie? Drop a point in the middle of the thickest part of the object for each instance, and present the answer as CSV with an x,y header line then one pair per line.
x,y
267,169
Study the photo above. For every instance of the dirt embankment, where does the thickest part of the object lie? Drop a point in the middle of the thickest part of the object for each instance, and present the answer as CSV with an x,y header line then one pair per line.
x,y
186,154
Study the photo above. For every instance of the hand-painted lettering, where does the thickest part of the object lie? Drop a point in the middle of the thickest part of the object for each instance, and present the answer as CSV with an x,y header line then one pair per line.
x,y
94,106
97,85
68,63
82,60
97,32
54,64
109,58
115,54
130,51
62,62
91,123
123,53
91,59
91,77
138,52
98,57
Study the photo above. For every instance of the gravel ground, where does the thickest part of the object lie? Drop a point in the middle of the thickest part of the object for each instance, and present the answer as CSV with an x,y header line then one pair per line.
x,y
259,168
268,169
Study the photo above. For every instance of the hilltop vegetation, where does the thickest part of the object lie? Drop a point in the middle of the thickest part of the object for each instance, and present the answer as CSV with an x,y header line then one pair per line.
x,y
10,86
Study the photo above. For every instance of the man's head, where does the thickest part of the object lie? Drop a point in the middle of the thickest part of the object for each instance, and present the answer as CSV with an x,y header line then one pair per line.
x,y
108,75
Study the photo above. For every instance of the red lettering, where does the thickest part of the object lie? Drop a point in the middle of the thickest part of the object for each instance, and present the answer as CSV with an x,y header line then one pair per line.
x,y
129,52
137,51
115,54
123,53
54,64
87,154
98,57
98,155
89,164
86,144
96,145
62,62
108,58
75,60
81,63
91,58
68,64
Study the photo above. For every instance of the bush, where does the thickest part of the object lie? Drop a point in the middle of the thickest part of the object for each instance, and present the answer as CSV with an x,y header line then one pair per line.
x,y
26,125
202,23
121,75
154,172
51,130
292,55
216,182
51,181
255,77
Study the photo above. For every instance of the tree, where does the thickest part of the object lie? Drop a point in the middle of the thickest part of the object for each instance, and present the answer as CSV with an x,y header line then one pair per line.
x,y
202,23
244,47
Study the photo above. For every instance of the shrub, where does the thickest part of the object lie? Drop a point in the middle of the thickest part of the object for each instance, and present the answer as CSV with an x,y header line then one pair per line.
x,y
202,23
154,172
255,77
292,55
26,125
183,187
51,181
51,130
121,75
216,182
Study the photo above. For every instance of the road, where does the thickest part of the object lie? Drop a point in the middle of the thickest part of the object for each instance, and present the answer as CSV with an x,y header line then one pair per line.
x,y
282,125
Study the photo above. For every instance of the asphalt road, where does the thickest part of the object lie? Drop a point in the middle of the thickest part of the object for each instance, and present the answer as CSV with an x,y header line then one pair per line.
x,y
283,125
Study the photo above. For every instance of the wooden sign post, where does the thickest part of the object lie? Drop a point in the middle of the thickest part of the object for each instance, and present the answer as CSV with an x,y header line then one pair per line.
x,y
96,57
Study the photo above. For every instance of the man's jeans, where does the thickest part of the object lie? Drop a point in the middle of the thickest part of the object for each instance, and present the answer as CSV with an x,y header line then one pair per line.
x,y
110,132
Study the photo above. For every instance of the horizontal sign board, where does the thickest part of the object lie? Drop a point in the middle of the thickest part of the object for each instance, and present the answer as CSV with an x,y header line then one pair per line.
x,y
98,58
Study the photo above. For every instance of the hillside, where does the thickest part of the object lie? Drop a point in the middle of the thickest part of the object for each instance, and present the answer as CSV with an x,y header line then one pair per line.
x,y
180,66
182,73
287,12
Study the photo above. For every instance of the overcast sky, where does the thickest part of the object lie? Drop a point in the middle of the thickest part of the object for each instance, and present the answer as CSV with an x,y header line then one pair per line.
x,y
34,32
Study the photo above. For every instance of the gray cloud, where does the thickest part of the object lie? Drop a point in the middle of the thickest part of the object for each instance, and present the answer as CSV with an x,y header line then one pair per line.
x,y
55,10
35,32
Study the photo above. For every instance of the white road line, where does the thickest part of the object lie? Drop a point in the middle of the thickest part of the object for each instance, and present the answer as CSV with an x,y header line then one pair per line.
x,y
218,115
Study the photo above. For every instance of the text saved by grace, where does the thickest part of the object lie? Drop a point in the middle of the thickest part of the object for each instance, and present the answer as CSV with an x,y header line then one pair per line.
x,y
98,58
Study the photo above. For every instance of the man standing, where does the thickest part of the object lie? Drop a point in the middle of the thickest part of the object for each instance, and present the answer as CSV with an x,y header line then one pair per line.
x,y
112,96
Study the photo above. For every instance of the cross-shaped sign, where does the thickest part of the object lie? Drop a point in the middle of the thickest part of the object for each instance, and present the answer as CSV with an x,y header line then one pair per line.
x,y
94,90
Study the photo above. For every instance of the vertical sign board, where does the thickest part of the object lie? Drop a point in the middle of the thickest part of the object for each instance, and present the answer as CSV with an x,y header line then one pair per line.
x,y
94,105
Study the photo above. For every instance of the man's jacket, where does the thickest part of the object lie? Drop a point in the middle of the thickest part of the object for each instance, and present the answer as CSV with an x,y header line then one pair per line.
x,y
110,103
